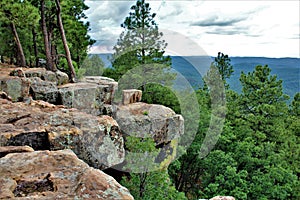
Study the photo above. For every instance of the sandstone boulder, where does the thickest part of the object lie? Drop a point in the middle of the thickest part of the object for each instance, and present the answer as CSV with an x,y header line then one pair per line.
x,y
94,96
34,72
101,80
55,175
131,96
106,92
142,119
44,126
156,121
62,78
58,77
79,95
17,88
20,83
43,90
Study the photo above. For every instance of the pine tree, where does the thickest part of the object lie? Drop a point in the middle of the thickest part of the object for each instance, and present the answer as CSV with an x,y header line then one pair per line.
x,y
256,156
262,133
143,182
18,17
64,40
222,62
47,38
141,49
263,103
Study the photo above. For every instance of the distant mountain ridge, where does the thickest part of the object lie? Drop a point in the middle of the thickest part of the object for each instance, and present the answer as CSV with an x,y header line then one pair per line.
x,y
286,69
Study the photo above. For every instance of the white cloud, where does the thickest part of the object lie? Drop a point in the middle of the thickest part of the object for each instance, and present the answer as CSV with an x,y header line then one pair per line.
x,y
237,28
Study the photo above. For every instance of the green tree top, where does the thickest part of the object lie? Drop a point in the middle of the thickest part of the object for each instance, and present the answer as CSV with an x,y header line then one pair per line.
x,y
222,62
140,43
295,107
141,17
261,88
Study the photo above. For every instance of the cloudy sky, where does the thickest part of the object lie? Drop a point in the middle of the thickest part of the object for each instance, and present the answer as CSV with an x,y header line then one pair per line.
x,y
236,28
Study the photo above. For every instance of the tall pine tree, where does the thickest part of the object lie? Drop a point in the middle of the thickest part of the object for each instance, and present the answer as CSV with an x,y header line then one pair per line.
x,y
140,46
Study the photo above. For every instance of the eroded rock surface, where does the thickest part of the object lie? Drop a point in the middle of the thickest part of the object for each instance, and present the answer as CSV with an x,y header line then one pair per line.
x,y
17,88
43,90
55,175
94,95
142,119
14,149
58,77
131,96
44,126
156,121
20,83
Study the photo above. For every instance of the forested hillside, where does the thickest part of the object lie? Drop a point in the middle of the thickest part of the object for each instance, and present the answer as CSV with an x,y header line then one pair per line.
x,y
286,69
257,154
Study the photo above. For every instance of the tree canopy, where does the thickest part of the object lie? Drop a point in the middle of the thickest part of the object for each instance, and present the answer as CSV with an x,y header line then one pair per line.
x,y
32,30
256,155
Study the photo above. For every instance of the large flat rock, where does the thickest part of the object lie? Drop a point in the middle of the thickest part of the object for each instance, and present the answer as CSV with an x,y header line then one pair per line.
x,y
44,126
156,121
94,96
142,119
17,88
55,175
19,83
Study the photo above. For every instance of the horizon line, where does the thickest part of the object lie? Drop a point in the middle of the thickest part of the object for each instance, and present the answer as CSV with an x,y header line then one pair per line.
x,y
213,56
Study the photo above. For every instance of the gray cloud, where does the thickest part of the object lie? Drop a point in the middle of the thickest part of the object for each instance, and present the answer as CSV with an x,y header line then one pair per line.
x,y
217,21
105,18
115,12
175,12
233,30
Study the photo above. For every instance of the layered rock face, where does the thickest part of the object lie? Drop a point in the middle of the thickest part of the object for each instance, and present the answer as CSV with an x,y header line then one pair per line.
x,y
144,120
93,95
55,175
19,83
43,126
157,121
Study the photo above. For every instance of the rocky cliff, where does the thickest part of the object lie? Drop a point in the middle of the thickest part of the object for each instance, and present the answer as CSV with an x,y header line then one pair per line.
x,y
50,124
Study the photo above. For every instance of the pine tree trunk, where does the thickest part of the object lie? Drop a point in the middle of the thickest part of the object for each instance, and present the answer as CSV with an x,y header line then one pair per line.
x,y
35,47
50,64
64,40
54,54
20,56
143,177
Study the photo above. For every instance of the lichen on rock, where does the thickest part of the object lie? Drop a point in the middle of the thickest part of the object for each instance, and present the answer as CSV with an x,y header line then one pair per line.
x,y
55,175
44,126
